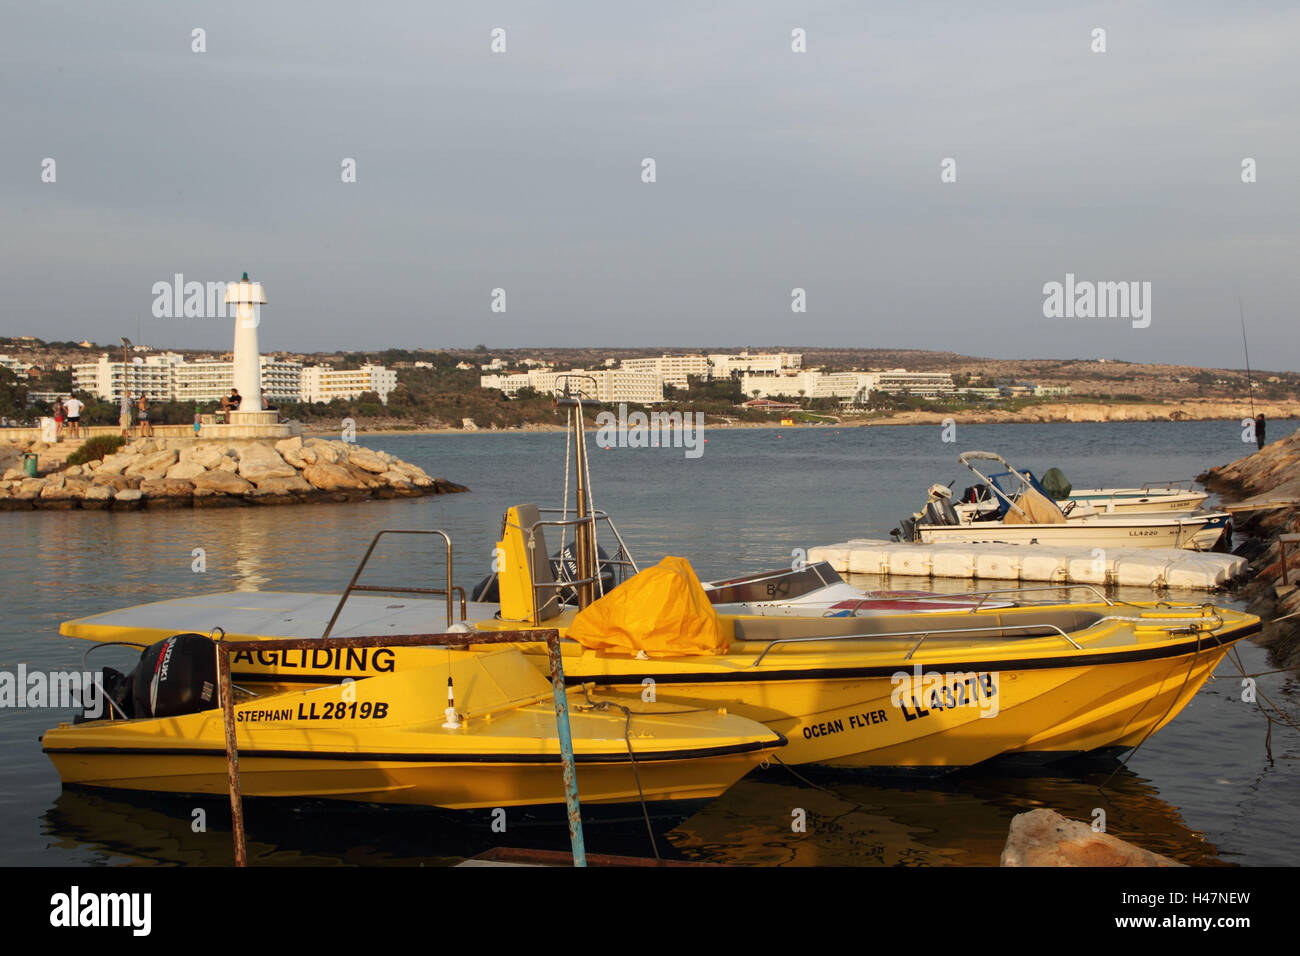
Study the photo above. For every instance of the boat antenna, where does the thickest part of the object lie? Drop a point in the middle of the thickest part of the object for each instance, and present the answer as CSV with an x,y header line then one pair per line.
x,y
1250,388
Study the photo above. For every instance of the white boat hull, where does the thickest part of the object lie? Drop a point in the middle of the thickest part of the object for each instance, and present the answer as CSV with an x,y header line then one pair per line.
x,y
1095,532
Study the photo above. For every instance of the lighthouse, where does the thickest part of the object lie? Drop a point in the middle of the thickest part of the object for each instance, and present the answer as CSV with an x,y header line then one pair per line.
x,y
248,299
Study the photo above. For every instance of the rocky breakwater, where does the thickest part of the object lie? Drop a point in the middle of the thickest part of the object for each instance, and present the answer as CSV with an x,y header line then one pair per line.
x,y
183,473
1269,483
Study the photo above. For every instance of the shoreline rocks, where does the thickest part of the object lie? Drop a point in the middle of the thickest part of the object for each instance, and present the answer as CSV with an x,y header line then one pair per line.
x,y
1269,478
1045,838
159,473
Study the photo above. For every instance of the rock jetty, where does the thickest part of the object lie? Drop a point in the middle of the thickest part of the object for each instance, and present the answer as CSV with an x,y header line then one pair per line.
x,y
1264,490
182,473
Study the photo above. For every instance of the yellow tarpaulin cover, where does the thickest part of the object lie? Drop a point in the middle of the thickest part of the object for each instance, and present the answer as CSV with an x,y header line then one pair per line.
x,y
662,611
1037,508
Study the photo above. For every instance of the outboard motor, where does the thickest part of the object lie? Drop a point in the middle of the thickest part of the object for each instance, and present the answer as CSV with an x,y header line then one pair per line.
x,y
564,566
175,676
938,508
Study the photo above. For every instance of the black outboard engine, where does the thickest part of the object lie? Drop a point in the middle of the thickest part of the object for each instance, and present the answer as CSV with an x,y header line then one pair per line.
x,y
564,566
173,677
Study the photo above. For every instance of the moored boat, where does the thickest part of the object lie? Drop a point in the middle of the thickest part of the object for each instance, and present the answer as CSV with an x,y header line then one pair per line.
x,y
388,740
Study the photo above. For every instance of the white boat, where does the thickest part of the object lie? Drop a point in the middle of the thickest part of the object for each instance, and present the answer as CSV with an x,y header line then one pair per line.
x,y
1164,498
1144,500
1026,515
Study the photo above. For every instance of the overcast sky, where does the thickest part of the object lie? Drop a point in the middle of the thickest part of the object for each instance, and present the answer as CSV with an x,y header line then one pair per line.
x,y
775,170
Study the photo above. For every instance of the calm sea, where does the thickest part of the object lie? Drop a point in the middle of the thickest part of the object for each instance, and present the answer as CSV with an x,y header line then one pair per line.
x,y
1204,789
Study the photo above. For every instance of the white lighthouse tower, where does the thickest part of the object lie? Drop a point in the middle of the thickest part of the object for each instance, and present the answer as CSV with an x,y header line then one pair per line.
x,y
248,298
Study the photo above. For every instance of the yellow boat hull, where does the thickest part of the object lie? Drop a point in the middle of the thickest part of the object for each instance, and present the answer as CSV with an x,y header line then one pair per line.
x,y
840,701
385,740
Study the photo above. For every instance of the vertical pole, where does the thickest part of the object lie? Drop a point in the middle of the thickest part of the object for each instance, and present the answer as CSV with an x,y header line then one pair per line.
x,y
232,756
566,750
582,540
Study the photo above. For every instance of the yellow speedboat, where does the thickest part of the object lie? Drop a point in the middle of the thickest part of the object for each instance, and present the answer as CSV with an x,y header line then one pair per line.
x,y
385,740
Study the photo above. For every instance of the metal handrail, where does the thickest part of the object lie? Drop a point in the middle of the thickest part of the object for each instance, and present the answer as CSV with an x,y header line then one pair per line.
x,y
353,586
772,576
626,561
595,516
1051,587
924,634
1171,483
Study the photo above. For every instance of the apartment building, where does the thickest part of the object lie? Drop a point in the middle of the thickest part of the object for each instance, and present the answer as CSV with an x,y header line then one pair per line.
x,y
724,365
674,370
324,383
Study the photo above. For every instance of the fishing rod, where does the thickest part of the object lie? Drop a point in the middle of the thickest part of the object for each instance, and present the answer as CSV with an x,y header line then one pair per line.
x,y
1250,387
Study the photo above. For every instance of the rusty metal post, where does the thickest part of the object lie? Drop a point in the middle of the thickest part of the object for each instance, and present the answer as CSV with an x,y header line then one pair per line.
x,y
232,755
566,751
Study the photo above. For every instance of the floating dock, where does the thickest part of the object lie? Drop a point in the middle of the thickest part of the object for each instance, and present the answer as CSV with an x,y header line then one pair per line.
x,y
1132,567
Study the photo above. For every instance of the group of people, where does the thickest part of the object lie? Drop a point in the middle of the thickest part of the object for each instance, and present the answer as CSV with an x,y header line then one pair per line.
x,y
67,412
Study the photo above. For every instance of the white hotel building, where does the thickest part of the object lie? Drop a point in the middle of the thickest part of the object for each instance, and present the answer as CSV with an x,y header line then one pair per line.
x,y
168,377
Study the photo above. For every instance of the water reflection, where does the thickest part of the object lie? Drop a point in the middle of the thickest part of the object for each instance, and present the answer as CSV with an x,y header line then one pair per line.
x,y
851,821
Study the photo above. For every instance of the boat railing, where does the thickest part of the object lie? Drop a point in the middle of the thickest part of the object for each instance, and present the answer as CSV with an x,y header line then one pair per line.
x,y
986,594
1180,484
621,560
1001,630
449,591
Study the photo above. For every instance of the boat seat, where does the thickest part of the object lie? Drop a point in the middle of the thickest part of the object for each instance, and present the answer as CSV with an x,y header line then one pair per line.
x,y
1012,625
542,572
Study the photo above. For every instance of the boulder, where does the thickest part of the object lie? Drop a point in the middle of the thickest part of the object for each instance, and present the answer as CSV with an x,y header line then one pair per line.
x,y
115,482
222,481
98,497
227,464
411,471
283,486
185,470
1045,838
128,498
116,463
166,488
367,460
207,454
323,450
72,471
332,477
14,474
153,465
258,461
296,453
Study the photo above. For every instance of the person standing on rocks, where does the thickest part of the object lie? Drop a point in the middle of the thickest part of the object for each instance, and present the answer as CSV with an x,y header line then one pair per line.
x,y
142,407
73,406
124,414
58,419
1259,430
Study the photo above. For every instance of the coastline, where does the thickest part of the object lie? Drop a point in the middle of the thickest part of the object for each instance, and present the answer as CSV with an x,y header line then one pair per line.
x,y
1054,413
